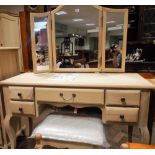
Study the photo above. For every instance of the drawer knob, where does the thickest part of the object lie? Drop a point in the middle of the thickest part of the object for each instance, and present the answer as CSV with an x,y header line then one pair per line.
x,y
122,117
71,98
20,109
19,95
123,100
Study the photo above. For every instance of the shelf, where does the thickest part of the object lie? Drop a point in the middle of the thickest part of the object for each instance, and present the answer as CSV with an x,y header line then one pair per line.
x,y
9,48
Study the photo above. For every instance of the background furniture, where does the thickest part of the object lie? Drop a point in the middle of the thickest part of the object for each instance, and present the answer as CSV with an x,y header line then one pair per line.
x,y
10,45
10,59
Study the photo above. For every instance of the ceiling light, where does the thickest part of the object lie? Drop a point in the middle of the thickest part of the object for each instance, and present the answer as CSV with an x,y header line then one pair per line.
x,y
77,10
61,13
120,25
93,30
114,28
110,22
90,24
78,20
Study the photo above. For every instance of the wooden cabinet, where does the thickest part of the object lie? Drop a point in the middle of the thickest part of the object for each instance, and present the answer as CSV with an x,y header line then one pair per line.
x,y
10,30
10,45
10,58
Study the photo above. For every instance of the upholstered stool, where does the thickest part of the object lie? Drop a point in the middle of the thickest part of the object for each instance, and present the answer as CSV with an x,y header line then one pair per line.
x,y
63,131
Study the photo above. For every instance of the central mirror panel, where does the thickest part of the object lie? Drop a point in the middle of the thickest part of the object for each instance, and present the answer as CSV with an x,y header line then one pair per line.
x,y
77,37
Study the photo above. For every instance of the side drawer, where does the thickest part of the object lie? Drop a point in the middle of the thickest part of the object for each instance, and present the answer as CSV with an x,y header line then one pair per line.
x,y
120,114
122,97
21,93
20,107
64,95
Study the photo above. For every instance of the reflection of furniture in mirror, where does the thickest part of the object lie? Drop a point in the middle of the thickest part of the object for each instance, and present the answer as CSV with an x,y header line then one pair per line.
x,y
74,23
115,32
41,41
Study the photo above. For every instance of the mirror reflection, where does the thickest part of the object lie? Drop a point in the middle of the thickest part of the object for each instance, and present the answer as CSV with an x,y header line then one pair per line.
x,y
114,40
41,43
77,37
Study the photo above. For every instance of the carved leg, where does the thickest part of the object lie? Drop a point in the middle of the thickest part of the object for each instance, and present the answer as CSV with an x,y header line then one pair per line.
x,y
145,135
10,131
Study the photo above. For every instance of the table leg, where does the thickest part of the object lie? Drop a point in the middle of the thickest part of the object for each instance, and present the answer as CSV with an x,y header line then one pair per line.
x,y
10,131
130,130
145,135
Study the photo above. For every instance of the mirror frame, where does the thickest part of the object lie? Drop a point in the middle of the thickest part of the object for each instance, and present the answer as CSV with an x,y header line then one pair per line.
x,y
32,16
125,12
99,8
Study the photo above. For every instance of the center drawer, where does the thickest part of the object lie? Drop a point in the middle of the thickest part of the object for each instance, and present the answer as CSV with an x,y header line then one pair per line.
x,y
20,107
122,97
65,95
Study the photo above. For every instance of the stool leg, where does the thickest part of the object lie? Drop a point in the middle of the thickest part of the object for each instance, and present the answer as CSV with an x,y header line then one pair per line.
x,y
38,138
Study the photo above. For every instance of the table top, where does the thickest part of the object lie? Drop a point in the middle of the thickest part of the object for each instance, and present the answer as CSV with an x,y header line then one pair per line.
x,y
81,80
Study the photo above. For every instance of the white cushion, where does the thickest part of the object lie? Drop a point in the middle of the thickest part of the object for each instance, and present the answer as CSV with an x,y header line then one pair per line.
x,y
72,128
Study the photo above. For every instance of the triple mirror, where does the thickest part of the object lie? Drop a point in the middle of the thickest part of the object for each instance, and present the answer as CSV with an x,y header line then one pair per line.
x,y
79,38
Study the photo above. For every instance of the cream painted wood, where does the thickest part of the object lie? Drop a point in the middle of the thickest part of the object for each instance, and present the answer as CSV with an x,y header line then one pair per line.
x,y
125,28
3,141
11,35
96,83
9,64
120,114
144,108
33,44
21,93
27,107
54,44
83,80
70,145
122,97
84,96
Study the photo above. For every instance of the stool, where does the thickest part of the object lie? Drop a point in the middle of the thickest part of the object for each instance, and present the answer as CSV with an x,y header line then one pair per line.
x,y
64,131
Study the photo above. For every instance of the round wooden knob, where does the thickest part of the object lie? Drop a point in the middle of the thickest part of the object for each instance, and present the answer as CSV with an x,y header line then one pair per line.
x,y
19,95
122,117
20,109
123,99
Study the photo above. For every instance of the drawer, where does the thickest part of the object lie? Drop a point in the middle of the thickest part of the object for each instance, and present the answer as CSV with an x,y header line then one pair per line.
x,y
120,114
64,95
122,97
20,107
21,93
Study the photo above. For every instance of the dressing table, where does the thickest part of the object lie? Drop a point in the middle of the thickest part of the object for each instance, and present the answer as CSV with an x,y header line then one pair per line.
x,y
122,97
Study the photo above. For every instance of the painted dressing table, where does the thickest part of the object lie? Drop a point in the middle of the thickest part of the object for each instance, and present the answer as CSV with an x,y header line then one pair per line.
x,y
122,97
